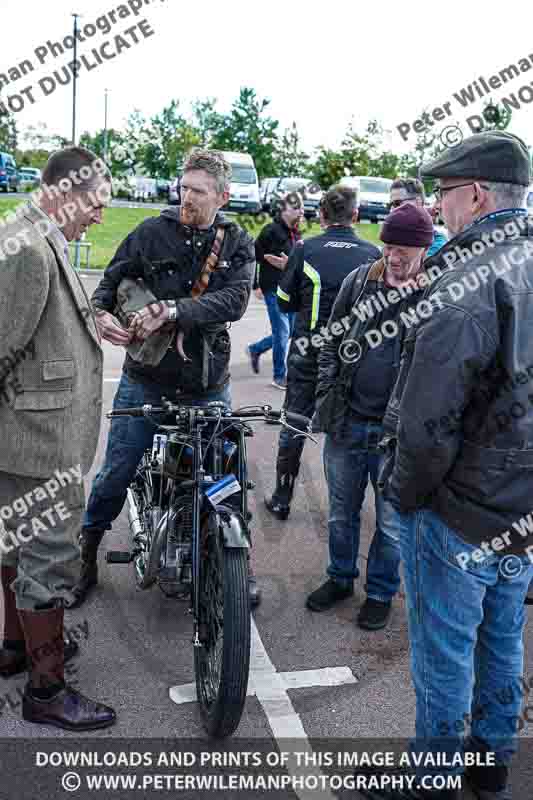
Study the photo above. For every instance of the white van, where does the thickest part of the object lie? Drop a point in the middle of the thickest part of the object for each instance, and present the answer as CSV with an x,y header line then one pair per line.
x,y
373,195
244,190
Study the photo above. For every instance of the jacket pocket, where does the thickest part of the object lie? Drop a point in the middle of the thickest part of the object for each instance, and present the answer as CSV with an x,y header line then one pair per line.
x,y
58,369
43,400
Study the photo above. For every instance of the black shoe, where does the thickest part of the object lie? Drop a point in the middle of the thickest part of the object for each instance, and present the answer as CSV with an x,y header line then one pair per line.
x,y
254,592
254,360
67,709
487,783
327,596
279,510
90,539
374,614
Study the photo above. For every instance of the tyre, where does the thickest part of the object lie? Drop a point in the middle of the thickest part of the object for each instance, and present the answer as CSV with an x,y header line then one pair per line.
x,y
222,662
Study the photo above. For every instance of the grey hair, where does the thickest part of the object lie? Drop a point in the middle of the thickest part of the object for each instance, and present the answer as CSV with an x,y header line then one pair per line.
x,y
507,195
212,162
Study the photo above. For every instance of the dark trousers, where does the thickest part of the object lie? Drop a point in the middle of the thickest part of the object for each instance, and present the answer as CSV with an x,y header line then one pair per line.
x,y
128,438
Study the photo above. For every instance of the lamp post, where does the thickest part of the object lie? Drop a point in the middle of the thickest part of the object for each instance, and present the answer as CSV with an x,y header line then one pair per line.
x,y
105,126
75,78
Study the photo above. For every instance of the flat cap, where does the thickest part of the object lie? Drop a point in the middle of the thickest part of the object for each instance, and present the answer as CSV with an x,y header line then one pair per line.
x,y
491,155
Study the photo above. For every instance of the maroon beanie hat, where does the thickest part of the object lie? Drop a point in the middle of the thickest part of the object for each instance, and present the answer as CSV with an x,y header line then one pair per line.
x,y
408,226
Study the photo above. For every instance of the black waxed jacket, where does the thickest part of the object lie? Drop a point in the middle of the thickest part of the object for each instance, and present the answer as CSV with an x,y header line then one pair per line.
x,y
462,408
170,256
354,317
274,239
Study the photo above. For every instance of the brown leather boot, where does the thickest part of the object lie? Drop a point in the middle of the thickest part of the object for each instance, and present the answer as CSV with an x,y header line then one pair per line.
x,y
13,658
13,652
47,699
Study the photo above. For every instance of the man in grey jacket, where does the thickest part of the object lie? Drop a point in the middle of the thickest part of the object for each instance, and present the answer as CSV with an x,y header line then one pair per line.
x,y
50,408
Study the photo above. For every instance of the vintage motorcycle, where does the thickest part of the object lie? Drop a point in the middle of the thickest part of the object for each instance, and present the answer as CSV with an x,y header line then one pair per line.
x,y
189,519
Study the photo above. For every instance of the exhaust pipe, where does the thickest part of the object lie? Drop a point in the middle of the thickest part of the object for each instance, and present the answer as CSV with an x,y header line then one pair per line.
x,y
133,514
147,561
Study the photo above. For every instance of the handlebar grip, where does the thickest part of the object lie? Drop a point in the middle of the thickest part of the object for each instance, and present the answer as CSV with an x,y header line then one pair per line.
x,y
126,412
133,412
297,418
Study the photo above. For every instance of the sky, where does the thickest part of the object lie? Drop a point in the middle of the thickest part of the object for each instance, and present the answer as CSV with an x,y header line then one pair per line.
x,y
321,65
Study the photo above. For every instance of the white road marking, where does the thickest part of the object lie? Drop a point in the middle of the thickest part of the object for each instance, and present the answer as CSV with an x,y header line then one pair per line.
x,y
270,687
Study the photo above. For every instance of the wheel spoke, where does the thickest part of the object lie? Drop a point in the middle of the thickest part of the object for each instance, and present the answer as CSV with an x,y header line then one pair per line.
x,y
212,616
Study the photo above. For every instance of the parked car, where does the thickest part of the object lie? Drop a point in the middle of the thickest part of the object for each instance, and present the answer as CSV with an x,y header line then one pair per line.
x,y
162,187
266,190
174,192
29,178
373,195
142,188
313,194
9,179
244,188
310,191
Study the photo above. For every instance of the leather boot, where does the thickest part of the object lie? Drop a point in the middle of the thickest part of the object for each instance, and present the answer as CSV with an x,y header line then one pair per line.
x,y
13,659
287,468
90,539
254,592
13,652
47,699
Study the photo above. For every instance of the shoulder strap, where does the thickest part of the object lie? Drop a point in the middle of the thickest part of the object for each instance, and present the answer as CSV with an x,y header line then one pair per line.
x,y
361,278
210,265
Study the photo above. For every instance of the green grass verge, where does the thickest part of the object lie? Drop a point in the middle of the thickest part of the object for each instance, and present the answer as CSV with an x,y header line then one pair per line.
x,y
119,222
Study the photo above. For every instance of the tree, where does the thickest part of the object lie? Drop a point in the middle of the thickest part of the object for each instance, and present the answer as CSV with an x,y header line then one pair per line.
x,y
171,136
115,148
329,167
246,130
8,133
206,120
360,154
37,145
291,161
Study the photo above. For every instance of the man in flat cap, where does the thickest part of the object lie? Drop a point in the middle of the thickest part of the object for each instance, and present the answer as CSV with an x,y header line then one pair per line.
x,y
462,476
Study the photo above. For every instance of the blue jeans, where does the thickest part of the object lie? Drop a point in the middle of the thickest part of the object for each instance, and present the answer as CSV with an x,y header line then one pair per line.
x,y
465,634
128,438
347,464
281,325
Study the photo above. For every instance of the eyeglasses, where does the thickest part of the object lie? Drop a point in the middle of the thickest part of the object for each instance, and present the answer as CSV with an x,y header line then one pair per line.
x,y
438,191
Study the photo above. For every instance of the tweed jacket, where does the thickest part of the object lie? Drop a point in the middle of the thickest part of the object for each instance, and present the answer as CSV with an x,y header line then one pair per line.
x,y
51,359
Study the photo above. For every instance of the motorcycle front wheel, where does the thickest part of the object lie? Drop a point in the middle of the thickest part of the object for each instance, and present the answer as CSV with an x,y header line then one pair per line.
x,y
222,662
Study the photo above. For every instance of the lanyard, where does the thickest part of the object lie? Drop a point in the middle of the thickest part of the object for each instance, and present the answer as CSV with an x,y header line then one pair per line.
x,y
505,212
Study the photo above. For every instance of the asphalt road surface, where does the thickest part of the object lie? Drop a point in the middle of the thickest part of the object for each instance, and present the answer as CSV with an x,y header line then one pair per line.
x,y
336,680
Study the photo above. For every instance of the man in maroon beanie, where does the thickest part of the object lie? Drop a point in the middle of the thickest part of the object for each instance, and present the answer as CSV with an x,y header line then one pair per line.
x,y
376,305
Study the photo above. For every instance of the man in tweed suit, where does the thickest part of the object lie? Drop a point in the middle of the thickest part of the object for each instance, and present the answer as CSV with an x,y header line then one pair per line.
x,y
50,409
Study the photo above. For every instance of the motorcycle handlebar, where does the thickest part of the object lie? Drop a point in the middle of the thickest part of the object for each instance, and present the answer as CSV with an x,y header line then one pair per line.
x,y
264,411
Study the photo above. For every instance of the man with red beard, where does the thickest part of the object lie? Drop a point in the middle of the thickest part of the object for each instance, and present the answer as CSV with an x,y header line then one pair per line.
x,y
170,253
